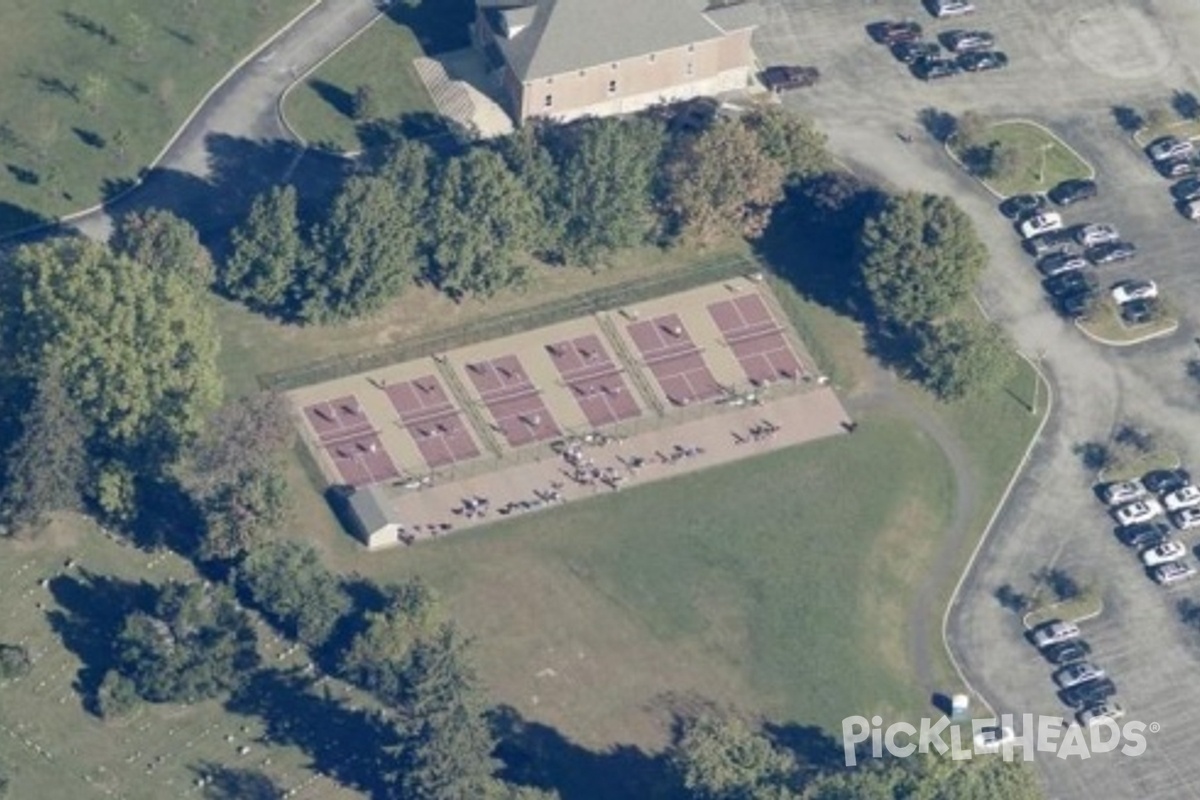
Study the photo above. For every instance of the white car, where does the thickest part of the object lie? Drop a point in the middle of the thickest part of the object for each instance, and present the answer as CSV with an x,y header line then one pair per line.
x,y
1186,518
1096,233
1128,291
1187,497
1164,553
1173,572
1045,222
1118,494
1054,632
1138,511
952,8
1077,673
989,740
1110,710
1169,147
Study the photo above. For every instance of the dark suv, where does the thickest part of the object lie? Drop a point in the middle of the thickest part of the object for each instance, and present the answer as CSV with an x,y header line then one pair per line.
x,y
1073,191
1088,694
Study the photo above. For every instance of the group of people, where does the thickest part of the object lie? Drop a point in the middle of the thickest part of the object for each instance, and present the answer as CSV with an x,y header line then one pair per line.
x,y
757,433
680,452
409,535
541,499
472,507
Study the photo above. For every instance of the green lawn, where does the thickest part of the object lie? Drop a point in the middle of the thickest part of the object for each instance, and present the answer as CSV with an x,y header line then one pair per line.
x,y
320,108
157,752
1045,159
1172,126
92,91
1104,323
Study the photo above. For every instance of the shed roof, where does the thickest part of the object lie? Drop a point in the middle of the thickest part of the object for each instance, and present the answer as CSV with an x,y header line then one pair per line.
x,y
372,509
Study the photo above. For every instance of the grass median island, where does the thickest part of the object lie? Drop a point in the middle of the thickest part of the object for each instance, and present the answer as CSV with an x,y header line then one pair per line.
x,y
322,108
1018,157
1105,324
93,91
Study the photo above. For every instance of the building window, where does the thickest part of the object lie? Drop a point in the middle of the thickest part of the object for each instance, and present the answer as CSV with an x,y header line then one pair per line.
x,y
582,73
549,100
549,81
691,48
653,57
612,87
614,66
690,68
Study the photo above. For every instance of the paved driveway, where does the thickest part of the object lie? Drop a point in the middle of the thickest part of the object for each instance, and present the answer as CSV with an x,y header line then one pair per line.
x,y
1071,61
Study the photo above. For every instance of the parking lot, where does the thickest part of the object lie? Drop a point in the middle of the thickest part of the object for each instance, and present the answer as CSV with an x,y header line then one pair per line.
x,y
1070,62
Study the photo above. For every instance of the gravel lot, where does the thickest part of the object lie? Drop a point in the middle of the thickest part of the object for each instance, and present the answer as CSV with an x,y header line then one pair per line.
x,y
1071,61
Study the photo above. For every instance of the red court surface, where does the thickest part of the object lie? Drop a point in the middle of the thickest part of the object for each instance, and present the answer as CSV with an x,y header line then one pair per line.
x,y
432,420
515,404
595,381
346,434
676,362
756,339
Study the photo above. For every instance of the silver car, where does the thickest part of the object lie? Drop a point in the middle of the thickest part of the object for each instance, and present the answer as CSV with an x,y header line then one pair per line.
x,y
1096,233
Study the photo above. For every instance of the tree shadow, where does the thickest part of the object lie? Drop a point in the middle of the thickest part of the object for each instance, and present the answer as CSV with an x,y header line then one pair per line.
x,y
229,783
1094,456
343,742
941,125
51,85
93,613
23,175
1010,599
1186,104
535,754
443,135
90,138
812,747
1128,119
89,26
338,98
439,27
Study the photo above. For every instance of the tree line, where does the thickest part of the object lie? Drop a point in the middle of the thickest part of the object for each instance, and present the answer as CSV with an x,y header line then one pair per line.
x,y
472,222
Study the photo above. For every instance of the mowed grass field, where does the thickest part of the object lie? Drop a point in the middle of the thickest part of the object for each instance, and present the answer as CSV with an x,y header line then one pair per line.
x,y
53,748
320,109
92,91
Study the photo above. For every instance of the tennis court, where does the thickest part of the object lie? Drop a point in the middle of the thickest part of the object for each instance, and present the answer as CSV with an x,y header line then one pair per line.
x,y
435,425
515,404
669,353
595,381
343,429
757,340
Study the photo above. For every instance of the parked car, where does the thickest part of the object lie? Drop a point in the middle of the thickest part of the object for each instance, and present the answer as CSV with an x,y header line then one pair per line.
x,y
1059,263
1073,191
1173,572
1093,715
1077,305
963,41
1021,206
1110,252
1096,233
1077,673
1166,480
1190,210
929,69
890,32
1176,167
993,739
783,77
1054,631
1186,190
1168,148
1183,497
982,61
1164,553
1053,242
1088,694
1044,222
1138,511
1122,492
910,52
1066,652
1137,312
950,8
1186,518
1128,291
1072,282
1144,534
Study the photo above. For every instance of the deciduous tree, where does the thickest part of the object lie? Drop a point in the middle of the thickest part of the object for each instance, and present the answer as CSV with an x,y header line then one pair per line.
x,y
720,758
959,358
162,241
378,654
484,221
721,183
291,586
269,255
930,777
919,257
791,140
